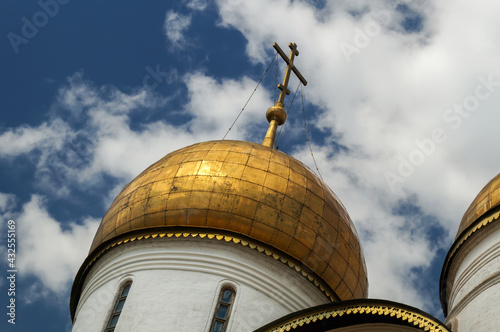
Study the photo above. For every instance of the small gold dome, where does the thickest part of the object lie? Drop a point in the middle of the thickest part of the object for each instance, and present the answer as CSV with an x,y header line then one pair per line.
x,y
487,199
252,191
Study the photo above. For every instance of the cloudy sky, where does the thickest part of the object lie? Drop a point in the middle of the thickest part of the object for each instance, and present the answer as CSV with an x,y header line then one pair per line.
x,y
401,106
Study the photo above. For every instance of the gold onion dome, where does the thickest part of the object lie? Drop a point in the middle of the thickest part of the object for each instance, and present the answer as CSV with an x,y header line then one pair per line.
x,y
251,191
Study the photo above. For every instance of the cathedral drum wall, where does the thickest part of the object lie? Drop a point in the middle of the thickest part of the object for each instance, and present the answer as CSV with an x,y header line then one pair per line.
x,y
475,296
175,285
481,314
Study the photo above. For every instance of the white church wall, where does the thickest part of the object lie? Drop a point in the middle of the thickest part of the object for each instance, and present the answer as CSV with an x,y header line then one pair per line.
x,y
481,313
176,284
475,296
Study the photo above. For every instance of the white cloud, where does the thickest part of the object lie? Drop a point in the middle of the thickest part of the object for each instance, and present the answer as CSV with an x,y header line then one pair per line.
x,y
7,202
94,140
25,139
175,25
214,106
197,4
47,251
37,291
7,207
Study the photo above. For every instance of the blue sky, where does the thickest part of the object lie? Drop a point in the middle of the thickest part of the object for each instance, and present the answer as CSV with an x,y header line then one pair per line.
x,y
402,107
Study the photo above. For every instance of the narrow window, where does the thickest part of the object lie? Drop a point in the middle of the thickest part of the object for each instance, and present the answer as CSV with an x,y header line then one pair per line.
x,y
222,311
117,309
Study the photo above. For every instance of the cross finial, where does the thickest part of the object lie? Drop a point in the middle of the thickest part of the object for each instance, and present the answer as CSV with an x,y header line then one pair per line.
x,y
290,66
276,115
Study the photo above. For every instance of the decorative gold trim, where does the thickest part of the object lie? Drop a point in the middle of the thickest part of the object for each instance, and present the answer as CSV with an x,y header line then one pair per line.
x,y
413,318
218,237
468,233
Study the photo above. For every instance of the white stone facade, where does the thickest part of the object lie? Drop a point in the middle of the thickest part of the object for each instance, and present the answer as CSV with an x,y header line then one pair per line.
x,y
176,284
475,295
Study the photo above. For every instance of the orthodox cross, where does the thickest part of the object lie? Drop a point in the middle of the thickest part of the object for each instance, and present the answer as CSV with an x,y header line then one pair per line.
x,y
290,66
276,115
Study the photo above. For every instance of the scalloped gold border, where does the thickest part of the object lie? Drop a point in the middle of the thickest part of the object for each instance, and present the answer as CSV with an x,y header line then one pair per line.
x,y
416,319
474,229
218,237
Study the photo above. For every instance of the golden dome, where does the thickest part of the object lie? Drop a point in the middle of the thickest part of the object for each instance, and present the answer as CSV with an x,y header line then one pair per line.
x,y
485,201
251,191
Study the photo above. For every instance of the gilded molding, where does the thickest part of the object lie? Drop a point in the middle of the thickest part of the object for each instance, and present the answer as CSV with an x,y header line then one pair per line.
x,y
468,233
413,318
217,237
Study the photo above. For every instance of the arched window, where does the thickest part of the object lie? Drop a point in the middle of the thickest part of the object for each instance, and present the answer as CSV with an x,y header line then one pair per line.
x,y
222,310
118,307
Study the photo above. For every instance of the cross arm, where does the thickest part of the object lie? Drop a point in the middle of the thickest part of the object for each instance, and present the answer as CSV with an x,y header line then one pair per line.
x,y
290,63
